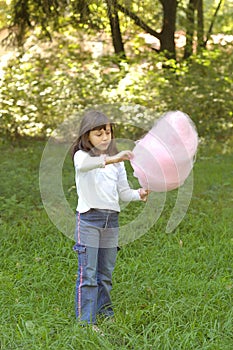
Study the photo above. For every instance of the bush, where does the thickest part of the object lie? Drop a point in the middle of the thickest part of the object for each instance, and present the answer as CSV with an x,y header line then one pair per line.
x,y
41,88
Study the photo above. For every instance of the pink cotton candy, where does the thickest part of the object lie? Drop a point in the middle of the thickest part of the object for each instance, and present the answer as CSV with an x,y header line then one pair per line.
x,y
164,157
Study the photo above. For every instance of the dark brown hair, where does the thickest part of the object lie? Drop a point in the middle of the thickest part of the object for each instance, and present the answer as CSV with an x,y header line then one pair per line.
x,y
93,120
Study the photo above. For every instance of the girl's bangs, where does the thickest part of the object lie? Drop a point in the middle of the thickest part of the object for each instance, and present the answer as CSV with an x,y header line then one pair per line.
x,y
104,126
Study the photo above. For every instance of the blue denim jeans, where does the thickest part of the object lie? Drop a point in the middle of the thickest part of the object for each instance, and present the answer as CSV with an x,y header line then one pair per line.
x,y
96,237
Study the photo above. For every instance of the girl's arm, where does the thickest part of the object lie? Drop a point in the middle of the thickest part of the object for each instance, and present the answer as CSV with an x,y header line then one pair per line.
x,y
119,157
84,162
126,193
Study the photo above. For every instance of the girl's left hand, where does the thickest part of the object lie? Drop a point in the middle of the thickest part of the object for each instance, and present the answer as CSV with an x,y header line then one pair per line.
x,y
143,194
119,157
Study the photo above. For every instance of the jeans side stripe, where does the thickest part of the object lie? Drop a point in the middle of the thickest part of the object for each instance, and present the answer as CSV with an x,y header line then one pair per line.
x,y
81,272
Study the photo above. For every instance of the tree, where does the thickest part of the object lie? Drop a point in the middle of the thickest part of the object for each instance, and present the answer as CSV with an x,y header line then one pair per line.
x,y
115,27
190,28
212,22
196,6
167,33
200,25
49,16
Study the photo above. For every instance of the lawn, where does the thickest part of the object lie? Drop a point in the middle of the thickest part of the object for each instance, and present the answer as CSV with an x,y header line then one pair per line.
x,y
171,291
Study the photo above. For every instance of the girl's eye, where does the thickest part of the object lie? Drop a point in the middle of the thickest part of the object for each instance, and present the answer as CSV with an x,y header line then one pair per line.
x,y
100,134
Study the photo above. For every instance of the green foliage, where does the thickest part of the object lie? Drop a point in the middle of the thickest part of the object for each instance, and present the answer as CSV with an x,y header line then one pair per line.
x,y
46,19
42,89
223,23
4,14
48,84
202,88
170,291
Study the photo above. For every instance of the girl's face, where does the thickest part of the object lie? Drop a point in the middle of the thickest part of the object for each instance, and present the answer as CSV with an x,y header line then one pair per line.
x,y
101,139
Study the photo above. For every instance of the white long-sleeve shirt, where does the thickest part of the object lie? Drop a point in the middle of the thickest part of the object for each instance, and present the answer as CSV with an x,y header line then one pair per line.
x,y
99,186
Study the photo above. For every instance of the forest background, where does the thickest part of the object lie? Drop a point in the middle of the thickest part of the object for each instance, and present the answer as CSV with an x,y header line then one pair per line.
x,y
77,54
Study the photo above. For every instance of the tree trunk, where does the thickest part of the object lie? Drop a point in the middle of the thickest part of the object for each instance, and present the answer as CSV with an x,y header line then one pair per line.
x,y
190,29
200,25
81,7
167,35
115,27
212,22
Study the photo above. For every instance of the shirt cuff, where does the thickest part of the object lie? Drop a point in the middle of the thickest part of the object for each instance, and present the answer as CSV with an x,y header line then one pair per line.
x,y
137,195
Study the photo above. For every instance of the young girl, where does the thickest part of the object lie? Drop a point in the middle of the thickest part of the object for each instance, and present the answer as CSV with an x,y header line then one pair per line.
x,y
100,181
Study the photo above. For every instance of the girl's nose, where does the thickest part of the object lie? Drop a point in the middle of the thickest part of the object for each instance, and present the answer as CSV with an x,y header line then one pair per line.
x,y
105,136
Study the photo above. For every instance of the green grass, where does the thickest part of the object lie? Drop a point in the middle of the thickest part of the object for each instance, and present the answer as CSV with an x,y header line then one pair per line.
x,y
171,291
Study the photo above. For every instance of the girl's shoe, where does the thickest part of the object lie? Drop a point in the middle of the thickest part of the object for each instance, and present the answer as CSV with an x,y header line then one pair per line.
x,y
97,330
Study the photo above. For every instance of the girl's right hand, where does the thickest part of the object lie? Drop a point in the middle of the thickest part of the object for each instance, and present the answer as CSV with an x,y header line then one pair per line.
x,y
143,194
119,157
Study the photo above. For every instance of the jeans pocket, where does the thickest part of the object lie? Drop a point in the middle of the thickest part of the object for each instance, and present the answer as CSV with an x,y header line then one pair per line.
x,y
82,253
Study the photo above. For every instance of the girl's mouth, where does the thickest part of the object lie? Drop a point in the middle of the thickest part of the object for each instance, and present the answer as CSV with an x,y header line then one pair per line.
x,y
104,144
